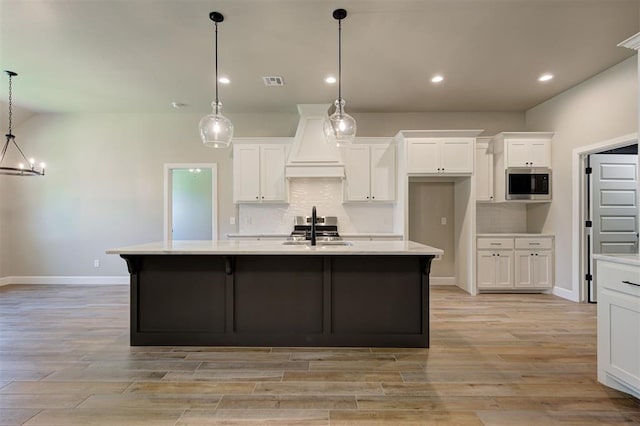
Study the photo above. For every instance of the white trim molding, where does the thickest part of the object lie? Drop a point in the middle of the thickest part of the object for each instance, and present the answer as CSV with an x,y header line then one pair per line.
x,y
566,294
632,42
577,213
89,280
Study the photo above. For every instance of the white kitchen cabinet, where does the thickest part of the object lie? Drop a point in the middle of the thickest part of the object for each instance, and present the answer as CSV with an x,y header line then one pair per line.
x,y
495,269
484,170
258,173
618,287
533,269
440,156
514,263
370,172
528,152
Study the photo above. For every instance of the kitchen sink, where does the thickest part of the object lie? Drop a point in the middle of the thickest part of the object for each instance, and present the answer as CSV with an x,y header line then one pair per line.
x,y
318,243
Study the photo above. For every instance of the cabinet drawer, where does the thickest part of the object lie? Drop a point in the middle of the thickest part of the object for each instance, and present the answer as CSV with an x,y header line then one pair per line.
x,y
534,243
495,243
612,276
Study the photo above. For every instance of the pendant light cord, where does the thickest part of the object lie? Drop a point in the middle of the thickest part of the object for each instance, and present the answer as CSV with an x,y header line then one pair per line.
x,y
340,63
216,43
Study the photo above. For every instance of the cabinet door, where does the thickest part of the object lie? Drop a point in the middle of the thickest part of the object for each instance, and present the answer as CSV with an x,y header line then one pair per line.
x,y
619,336
383,172
524,268
357,170
539,153
457,156
541,269
423,155
246,173
486,272
518,153
484,174
504,268
272,178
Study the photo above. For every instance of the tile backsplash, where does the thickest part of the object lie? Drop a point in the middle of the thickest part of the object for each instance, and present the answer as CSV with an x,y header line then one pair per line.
x,y
326,195
501,218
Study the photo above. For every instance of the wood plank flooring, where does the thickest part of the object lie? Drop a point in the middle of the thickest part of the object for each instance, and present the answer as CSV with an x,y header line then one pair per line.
x,y
494,359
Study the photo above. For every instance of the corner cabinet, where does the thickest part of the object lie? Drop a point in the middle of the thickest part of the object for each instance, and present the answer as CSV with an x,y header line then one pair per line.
x,y
259,173
370,172
514,263
618,285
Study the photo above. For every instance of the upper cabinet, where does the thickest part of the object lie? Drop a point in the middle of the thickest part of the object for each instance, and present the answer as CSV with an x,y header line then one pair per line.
x,y
258,172
523,149
528,152
453,156
370,170
449,152
519,150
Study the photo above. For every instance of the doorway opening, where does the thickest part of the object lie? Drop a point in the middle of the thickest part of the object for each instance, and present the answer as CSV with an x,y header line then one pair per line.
x,y
190,201
605,207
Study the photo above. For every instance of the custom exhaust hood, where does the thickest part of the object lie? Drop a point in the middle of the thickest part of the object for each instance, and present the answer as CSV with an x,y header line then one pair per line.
x,y
311,155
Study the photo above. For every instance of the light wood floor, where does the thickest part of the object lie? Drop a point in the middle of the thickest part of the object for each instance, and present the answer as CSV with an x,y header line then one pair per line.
x,y
494,359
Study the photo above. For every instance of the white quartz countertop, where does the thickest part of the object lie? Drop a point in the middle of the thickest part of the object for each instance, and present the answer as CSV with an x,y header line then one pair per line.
x,y
266,247
516,234
627,259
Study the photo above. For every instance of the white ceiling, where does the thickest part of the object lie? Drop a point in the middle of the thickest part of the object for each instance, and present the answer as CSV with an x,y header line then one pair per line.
x,y
140,55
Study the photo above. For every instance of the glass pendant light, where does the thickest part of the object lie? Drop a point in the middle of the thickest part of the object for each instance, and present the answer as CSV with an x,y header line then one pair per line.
x,y
340,127
28,167
216,130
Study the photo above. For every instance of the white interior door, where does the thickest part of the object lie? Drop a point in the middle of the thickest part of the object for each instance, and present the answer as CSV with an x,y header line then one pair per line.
x,y
615,203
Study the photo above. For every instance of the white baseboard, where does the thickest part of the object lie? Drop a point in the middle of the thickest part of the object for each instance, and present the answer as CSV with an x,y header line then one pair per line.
x,y
442,280
65,280
565,294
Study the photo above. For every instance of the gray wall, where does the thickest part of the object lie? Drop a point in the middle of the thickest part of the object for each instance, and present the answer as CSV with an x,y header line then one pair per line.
x,y
429,202
601,108
104,182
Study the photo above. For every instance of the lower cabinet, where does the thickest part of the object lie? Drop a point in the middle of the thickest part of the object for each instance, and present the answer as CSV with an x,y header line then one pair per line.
x,y
514,263
618,287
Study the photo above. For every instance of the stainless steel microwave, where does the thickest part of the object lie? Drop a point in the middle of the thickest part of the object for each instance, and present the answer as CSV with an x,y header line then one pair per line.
x,y
530,183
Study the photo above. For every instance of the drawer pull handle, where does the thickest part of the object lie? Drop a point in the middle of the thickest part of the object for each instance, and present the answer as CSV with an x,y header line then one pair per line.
x,y
629,282
495,244
534,244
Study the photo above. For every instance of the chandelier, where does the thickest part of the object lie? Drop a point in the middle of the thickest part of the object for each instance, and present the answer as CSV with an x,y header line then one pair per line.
x,y
28,167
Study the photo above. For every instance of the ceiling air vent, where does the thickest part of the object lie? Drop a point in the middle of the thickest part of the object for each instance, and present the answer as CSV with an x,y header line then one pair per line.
x,y
273,81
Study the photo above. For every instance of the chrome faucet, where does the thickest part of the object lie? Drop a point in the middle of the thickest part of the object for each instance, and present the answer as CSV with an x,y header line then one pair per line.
x,y
313,226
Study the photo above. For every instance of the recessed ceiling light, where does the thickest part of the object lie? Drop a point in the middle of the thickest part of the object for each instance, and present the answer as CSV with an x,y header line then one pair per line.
x,y
545,77
330,79
437,79
178,105
224,80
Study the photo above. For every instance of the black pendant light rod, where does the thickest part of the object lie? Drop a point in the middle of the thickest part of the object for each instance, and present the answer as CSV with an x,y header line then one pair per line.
x,y
216,17
339,14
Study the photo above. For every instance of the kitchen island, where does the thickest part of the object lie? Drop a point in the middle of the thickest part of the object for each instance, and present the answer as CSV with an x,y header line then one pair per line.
x,y
266,293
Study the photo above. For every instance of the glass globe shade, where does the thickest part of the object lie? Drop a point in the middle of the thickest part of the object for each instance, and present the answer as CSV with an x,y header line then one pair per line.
x,y
216,130
340,128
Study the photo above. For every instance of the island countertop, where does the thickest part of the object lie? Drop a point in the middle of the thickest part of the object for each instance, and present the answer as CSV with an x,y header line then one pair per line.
x,y
265,247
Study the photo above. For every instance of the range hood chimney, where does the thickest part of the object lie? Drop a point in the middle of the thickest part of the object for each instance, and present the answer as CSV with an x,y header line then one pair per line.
x,y
311,155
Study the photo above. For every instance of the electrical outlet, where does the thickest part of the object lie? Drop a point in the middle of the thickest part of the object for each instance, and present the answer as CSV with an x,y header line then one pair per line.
x,y
232,220
443,221
96,263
